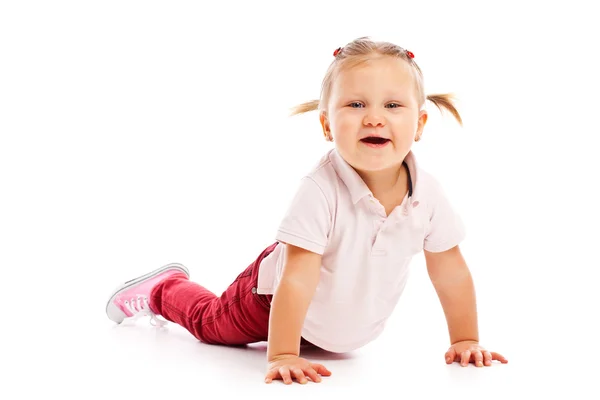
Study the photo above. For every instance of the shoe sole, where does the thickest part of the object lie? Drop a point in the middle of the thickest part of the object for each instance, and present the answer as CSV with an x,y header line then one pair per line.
x,y
126,285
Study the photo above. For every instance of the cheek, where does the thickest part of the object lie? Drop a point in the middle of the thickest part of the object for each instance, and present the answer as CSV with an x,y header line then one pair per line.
x,y
405,126
345,125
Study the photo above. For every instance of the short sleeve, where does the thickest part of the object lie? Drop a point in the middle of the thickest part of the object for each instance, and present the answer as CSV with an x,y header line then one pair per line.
x,y
307,221
446,228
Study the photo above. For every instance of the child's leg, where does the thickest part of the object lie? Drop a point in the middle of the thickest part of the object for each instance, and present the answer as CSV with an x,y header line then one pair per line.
x,y
238,316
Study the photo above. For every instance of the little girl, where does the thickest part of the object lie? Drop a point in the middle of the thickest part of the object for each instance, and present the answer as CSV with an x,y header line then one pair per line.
x,y
339,260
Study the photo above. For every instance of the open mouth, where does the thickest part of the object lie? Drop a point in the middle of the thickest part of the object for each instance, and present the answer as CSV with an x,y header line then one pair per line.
x,y
373,140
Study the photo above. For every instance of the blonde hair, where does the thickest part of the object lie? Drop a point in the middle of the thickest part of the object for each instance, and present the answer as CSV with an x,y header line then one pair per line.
x,y
360,51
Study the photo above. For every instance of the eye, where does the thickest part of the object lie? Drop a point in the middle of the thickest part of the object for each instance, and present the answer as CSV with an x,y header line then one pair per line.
x,y
394,105
352,105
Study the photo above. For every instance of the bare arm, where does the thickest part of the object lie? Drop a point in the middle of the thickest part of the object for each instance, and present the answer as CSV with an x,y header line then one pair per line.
x,y
291,300
452,281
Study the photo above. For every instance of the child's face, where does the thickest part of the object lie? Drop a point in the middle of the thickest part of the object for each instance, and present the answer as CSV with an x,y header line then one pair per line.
x,y
378,98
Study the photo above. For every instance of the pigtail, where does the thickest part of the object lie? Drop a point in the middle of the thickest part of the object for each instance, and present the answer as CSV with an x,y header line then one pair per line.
x,y
445,101
306,107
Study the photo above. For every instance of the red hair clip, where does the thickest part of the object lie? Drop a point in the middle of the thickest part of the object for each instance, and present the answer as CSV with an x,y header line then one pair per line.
x,y
410,54
337,51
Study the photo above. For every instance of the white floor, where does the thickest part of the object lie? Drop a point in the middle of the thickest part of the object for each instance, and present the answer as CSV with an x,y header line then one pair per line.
x,y
76,352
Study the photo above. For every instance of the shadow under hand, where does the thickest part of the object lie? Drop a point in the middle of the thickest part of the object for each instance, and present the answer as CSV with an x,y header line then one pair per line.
x,y
312,351
306,350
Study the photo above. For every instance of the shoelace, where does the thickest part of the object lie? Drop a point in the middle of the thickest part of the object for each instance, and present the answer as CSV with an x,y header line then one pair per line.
x,y
139,308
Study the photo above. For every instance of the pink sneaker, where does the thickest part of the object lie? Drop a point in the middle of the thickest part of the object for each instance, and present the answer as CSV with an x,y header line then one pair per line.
x,y
131,298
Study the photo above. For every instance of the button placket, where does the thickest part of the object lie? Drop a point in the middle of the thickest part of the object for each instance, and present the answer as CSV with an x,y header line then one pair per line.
x,y
378,228
376,208
377,224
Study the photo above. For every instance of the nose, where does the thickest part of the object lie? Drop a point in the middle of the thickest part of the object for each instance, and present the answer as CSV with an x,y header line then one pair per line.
x,y
373,118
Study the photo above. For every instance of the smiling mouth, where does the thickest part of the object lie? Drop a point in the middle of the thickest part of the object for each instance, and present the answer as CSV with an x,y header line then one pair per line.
x,y
375,140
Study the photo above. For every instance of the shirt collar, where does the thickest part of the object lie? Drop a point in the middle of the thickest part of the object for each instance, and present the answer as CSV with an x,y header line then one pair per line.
x,y
358,188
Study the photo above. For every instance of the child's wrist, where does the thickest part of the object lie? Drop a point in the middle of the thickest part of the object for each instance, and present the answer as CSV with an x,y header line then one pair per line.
x,y
280,356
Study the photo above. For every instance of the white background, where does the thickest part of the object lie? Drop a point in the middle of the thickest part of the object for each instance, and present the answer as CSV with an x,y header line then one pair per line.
x,y
138,133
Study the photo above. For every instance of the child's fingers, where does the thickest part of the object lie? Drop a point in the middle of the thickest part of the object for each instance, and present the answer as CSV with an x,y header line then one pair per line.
x,y
465,358
284,372
321,369
487,358
478,358
499,357
450,356
312,374
299,375
271,374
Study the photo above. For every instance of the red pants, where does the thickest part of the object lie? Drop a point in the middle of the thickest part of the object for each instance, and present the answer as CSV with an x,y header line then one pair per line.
x,y
239,316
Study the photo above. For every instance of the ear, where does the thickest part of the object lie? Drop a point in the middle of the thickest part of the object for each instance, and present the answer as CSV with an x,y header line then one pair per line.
x,y
325,126
421,124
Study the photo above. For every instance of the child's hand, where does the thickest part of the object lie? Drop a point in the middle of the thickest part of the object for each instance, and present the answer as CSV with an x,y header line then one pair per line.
x,y
286,366
470,350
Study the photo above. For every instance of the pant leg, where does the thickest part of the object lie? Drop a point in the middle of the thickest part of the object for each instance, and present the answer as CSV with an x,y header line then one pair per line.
x,y
239,316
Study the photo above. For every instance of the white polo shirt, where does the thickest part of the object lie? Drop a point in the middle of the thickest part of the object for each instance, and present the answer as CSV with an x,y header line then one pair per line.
x,y
365,254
